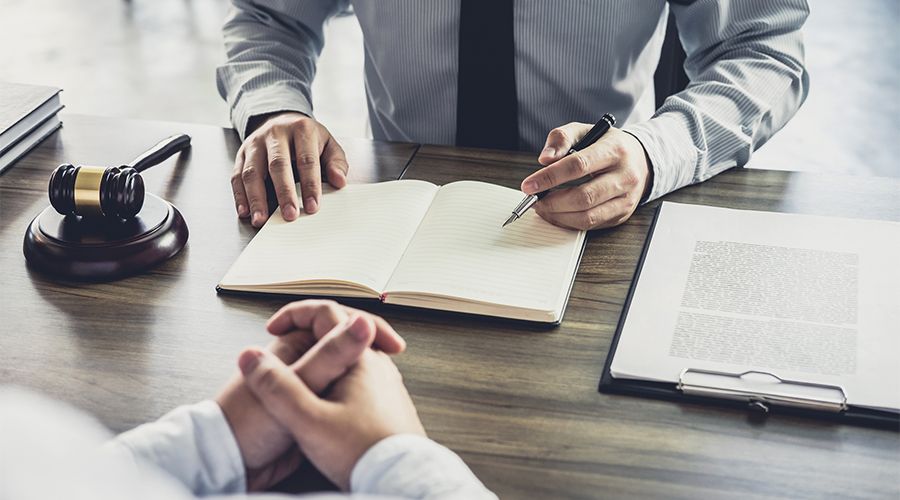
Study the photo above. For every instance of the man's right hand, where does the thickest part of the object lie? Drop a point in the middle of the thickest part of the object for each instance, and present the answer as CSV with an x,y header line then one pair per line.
x,y
281,141
366,405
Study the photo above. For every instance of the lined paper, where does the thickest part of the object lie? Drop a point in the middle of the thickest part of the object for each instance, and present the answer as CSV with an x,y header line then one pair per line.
x,y
358,235
460,250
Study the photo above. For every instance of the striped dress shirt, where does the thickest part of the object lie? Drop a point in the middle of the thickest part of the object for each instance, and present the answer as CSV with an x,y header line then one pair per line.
x,y
575,60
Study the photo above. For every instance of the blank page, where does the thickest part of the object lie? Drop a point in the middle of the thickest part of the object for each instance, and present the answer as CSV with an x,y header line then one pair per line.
x,y
460,250
358,235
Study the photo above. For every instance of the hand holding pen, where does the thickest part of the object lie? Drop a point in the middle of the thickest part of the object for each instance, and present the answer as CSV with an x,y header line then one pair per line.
x,y
609,168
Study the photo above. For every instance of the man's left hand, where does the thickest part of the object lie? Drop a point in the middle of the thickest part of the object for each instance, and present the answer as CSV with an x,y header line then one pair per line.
x,y
619,176
321,339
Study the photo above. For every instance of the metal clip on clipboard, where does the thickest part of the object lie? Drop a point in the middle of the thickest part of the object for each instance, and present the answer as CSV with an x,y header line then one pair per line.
x,y
762,389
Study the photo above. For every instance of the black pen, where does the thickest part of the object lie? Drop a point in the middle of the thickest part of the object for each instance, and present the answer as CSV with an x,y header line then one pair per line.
x,y
594,134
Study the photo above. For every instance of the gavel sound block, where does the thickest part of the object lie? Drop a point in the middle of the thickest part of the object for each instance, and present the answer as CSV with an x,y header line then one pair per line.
x,y
101,225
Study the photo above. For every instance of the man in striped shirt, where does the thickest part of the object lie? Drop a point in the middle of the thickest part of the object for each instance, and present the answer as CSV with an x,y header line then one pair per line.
x,y
534,74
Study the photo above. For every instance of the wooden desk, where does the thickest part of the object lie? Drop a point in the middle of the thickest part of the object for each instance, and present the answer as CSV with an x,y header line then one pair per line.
x,y
519,404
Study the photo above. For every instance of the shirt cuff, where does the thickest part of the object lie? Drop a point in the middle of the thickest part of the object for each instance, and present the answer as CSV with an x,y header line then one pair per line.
x,y
273,99
193,444
410,466
673,155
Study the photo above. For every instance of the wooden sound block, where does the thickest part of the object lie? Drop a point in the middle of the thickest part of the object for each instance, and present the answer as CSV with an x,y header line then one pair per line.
x,y
97,249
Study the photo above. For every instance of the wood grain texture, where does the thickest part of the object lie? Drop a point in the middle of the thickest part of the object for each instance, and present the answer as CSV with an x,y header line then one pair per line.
x,y
523,407
519,403
130,350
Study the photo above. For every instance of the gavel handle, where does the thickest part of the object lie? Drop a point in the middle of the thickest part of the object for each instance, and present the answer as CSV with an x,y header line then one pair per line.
x,y
160,152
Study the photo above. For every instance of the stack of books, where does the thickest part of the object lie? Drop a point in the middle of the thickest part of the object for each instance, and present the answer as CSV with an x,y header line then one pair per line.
x,y
28,114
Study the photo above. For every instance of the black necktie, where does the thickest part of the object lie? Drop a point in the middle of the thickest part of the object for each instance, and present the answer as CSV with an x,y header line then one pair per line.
x,y
486,108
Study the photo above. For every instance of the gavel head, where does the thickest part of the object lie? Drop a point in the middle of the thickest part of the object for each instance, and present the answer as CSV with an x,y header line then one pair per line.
x,y
115,192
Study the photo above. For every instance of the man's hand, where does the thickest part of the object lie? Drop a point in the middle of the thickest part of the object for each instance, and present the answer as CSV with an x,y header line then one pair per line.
x,y
367,405
327,338
281,141
619,171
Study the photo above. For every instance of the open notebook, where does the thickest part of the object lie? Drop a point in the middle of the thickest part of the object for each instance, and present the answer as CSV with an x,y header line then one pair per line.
x,y
417,244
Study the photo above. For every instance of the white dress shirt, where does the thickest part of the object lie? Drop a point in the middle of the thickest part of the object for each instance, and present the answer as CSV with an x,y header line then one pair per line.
x,y
575,60
50,450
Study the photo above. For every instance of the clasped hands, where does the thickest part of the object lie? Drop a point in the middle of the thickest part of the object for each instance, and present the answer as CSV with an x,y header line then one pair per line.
x,y
324,390
617,165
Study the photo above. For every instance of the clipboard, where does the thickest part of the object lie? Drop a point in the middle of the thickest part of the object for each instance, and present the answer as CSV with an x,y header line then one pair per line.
x,y
777,396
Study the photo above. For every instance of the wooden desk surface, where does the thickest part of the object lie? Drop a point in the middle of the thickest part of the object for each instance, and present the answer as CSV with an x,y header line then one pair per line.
x,y
519,404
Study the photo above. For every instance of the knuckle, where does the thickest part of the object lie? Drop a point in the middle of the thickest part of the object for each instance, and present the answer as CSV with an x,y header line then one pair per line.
x,y
278,163
586,198
619,150
258,139
629,179
307,160
333,308
284,191
256,203
588,220
318,304
581,166
558,135
310,185
548,179
303,124
578,166
331,349
327,307
269,382
250,173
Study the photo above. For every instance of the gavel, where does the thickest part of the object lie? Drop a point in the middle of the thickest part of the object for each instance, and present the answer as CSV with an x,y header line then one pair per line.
x,y
113,192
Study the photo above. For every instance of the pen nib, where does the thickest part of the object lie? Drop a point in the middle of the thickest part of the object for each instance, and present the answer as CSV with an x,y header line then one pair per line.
x,y
509,221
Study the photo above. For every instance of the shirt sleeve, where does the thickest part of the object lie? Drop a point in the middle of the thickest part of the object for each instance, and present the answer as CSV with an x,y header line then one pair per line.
x,y
409,466
192,444
271,48
745,64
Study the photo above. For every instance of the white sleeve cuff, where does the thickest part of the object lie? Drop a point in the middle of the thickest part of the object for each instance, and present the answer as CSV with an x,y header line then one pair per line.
x,y
273,98
671,149
193,444
411,466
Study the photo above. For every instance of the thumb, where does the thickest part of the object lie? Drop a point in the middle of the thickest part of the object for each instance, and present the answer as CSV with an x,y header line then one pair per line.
x,y
280,391
335,352
560,139
335,161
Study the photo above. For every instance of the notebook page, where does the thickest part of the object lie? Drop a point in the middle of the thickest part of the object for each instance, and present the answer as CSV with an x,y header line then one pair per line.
x,y
803,297
460,250
358,235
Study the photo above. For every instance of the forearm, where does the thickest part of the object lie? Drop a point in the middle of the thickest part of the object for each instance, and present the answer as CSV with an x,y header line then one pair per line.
x,y
745,63
271,50
409,466
193,444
